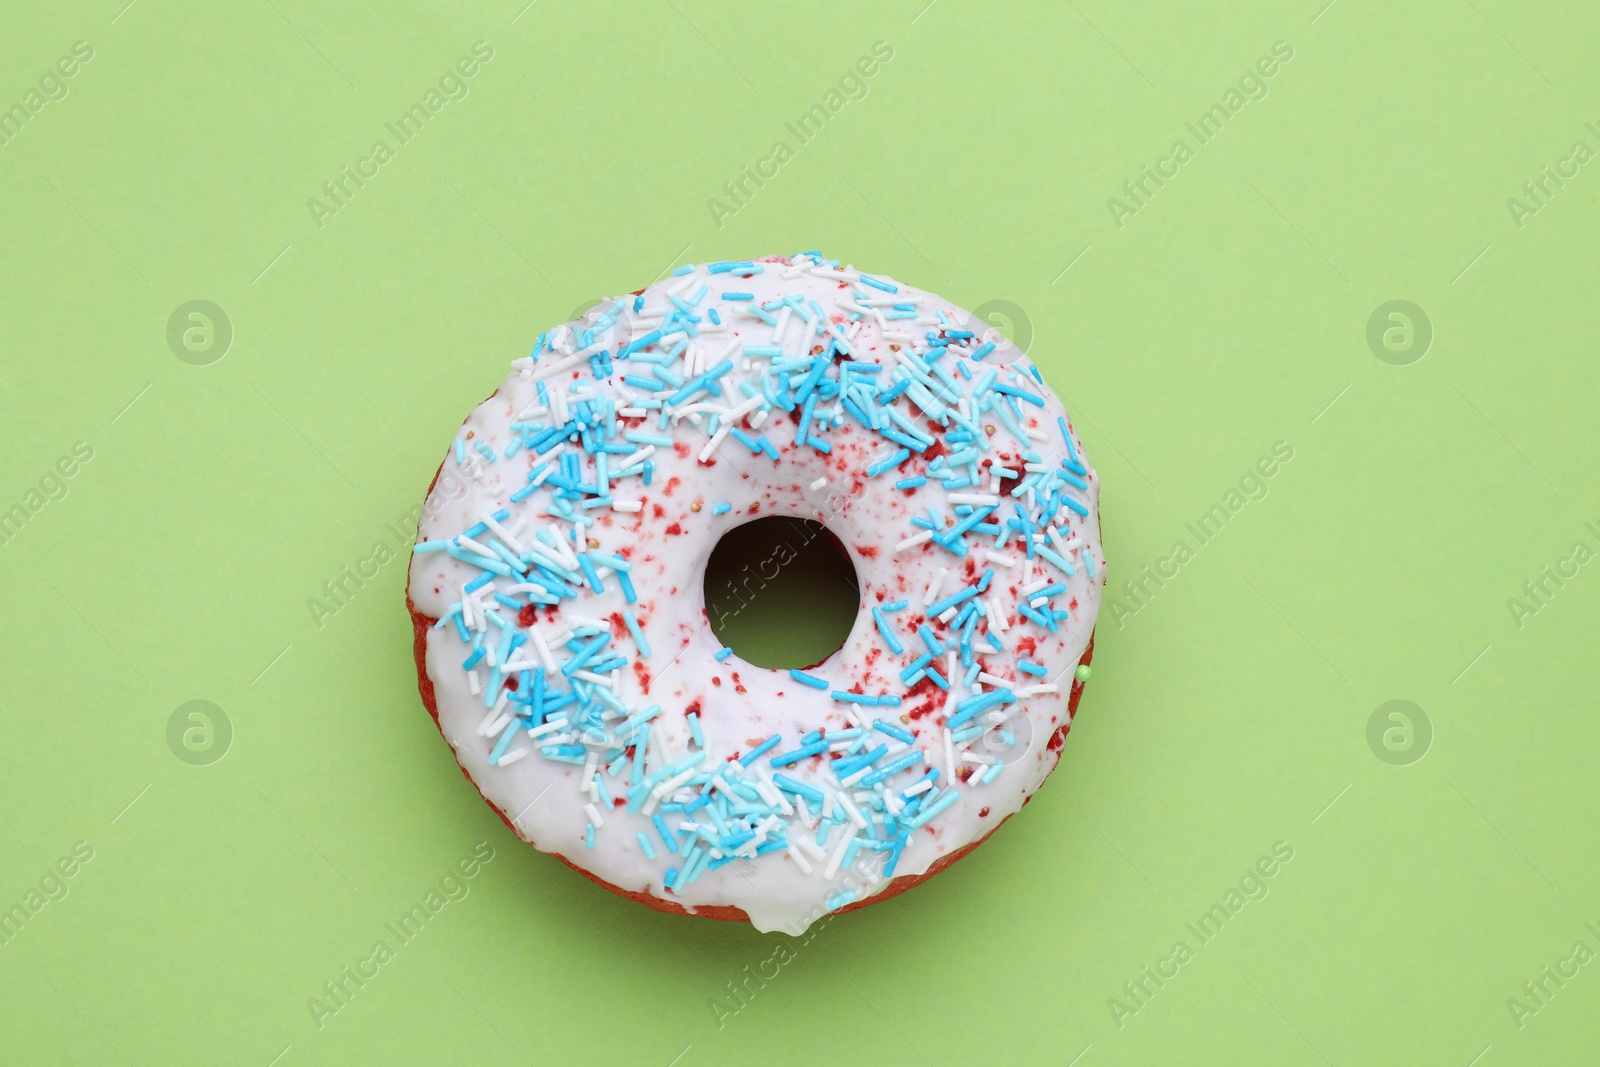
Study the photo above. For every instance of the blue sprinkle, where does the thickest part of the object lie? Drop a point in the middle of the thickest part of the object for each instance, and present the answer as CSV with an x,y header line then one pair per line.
x,y
888,634
723,653
649,849
893,731
940,607
760,750
815,748
667,836
807,679
789,785
913,482
888,463
721,509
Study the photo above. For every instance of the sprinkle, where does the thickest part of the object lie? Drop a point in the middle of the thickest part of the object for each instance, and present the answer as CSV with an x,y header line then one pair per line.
x,y
760,750
887,632
800,789
723,653
721,509
893,731
807,679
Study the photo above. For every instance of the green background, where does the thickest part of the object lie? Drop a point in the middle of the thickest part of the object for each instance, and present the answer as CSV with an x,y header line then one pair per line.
x,y
1227,713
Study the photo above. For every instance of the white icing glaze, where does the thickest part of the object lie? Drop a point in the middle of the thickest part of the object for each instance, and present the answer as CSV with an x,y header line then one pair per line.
x,y
742,704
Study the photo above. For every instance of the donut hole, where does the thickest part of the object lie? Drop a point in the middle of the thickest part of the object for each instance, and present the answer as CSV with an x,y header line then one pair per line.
x,y
781,592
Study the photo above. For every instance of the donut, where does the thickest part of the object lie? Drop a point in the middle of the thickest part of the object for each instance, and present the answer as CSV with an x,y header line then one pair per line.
x,y
561,634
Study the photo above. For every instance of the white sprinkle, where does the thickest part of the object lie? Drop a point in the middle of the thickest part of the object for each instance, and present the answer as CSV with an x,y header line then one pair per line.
x,y
935,586
543,649
716,439
799,860
594,815
811,848
473,685
627,505
464,541
996,557
838,856
504,534
975,499
512,756
819,483
851,810
921,787
1037,690
911,542
989,679
551,369
637,457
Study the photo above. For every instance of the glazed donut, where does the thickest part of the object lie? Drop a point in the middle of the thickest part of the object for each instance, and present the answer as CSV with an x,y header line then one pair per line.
x,y
556,589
